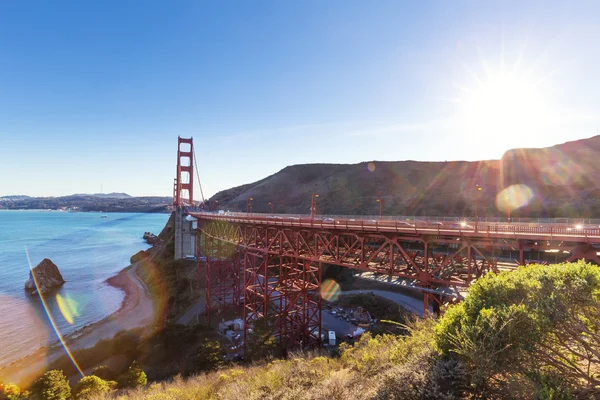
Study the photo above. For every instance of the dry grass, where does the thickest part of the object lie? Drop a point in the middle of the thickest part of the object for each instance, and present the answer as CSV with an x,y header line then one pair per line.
x,y
357,374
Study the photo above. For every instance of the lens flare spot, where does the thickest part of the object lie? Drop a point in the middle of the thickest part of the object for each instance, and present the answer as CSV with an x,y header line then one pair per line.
x,y
371,166
67,307
330,290
513,197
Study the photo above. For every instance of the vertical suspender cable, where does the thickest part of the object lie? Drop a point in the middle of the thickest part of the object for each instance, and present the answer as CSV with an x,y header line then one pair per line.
x,y
198,175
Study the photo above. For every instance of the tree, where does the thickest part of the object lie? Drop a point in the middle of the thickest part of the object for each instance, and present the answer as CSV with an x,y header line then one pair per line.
x,y
11,392
261,343
91,386
103,372
134,377
541,323
208,355
52,385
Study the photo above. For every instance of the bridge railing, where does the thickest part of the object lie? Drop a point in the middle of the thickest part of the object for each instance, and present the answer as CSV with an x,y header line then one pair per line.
x,y
588,223
454,226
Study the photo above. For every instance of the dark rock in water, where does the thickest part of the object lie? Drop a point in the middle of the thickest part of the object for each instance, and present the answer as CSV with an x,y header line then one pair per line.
x,y
139,256
150,238
47,276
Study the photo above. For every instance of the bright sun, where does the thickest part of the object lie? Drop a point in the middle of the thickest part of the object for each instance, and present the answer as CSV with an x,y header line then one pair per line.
x,y
501,106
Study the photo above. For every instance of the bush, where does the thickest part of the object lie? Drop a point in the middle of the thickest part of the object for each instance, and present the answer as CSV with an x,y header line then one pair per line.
x,y
91,386
208,356
105,373
134,377
52,385
536,318
11,392
261,344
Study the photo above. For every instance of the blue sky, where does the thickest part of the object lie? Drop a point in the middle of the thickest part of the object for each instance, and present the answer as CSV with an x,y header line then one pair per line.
x,y
96,93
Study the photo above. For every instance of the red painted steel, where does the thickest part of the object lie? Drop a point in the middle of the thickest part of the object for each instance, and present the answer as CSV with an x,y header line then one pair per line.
x,y
440,260
223,275
284,291
185,169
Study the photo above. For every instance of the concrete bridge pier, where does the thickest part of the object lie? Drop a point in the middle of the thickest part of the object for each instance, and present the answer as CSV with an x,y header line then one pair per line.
x,y
185,235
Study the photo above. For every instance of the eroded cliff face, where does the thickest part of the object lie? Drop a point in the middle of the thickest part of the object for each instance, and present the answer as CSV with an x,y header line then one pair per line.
x,y
47,276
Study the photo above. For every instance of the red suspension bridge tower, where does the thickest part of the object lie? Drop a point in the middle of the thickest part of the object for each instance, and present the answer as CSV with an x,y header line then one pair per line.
x,y
284,290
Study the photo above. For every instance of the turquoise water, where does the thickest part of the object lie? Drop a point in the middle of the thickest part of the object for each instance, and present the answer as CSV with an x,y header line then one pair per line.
x,y
86,248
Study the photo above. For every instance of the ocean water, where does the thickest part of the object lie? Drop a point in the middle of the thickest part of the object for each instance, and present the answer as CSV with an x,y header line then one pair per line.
x,y
86,248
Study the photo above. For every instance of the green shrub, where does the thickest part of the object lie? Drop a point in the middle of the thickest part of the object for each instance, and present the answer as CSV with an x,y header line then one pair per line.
x,y
91,386
105,373
208,356
538,317
134,377
10,392
52,385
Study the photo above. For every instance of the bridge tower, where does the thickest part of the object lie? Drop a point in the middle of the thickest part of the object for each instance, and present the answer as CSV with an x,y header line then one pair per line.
x,y
184,177
182,187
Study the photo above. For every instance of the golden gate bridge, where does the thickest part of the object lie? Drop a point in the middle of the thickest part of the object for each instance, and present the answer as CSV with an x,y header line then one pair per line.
x,y
270,265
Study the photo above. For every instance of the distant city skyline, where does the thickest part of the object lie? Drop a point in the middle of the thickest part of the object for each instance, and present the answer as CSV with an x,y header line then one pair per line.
x,y
95,94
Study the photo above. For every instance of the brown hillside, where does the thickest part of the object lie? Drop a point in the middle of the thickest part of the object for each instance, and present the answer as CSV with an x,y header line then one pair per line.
x,y
561,180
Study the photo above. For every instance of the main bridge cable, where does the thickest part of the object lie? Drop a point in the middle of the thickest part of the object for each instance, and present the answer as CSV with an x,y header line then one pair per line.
x,y
197,174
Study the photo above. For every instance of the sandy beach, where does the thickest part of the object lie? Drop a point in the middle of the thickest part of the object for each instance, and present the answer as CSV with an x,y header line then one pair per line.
x,y
136,310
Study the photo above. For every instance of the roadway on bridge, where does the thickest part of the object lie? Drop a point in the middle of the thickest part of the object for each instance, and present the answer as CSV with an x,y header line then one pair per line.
x,y
516,230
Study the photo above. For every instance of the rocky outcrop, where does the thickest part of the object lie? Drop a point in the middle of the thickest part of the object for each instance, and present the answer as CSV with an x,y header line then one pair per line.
x,y
150,238
47,276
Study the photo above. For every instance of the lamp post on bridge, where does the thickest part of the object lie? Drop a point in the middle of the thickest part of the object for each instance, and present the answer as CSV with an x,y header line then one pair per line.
x,y
249,206
477,189
271,206
380,206
215,205
313,206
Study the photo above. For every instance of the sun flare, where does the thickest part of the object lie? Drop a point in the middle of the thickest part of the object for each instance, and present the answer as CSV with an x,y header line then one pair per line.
x,y
503,105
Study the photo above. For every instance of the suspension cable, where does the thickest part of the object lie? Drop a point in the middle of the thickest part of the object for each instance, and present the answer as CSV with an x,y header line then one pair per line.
x,y
198,175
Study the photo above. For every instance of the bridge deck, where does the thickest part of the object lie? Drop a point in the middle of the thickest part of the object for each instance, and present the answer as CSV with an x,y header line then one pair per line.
x,y
526,231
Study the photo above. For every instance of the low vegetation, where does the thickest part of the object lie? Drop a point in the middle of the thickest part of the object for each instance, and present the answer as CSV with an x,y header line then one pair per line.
x,y
538,327
382,310
529,334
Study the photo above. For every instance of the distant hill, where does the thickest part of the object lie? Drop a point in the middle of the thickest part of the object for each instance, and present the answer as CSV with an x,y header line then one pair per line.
x,y
15,197
112,202
557,181
107,195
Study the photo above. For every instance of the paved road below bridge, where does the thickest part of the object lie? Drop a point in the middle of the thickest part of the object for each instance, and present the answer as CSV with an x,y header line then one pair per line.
x,y
191,315
409,303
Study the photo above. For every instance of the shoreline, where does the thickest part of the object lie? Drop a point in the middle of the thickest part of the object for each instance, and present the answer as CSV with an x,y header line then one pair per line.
x,y
136,310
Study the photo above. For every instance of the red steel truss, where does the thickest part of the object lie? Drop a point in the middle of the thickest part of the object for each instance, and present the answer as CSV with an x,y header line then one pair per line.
x,y
284,291
223,275
430,261
282,260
